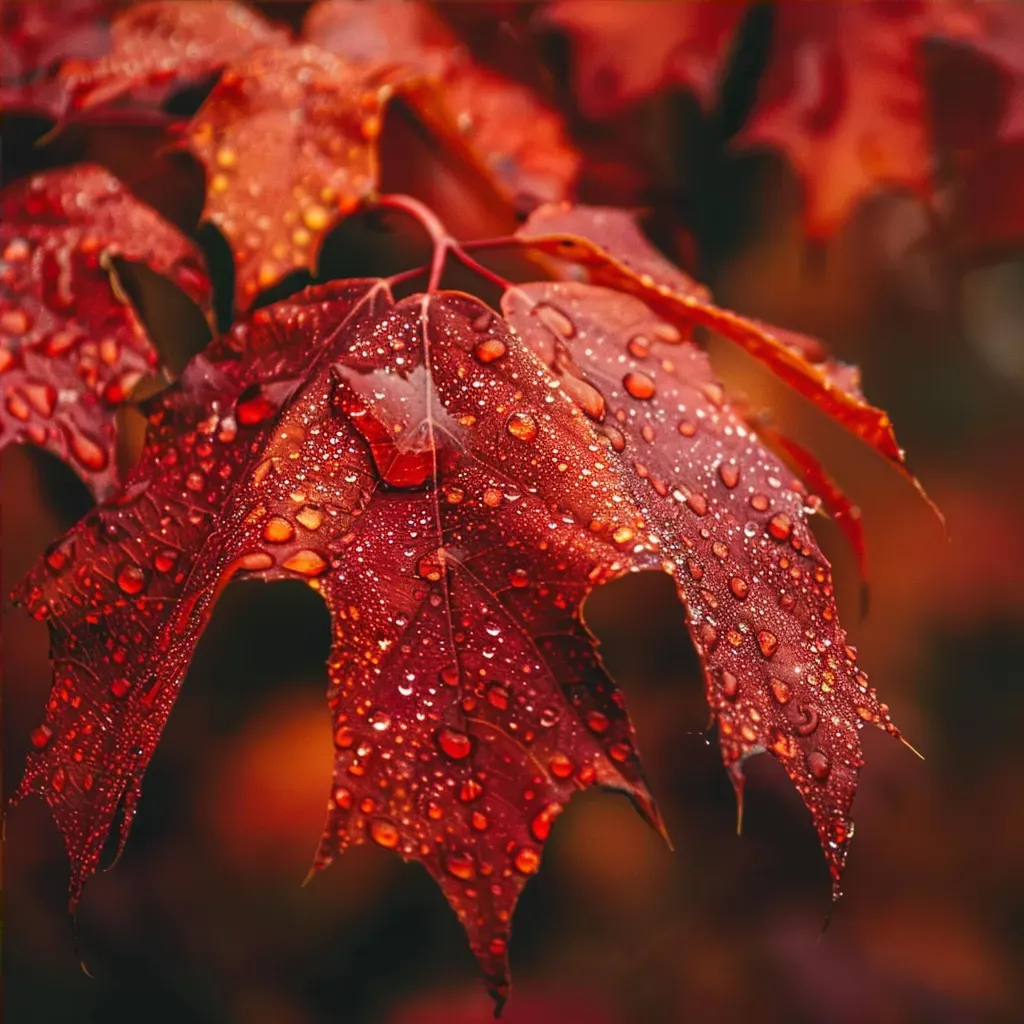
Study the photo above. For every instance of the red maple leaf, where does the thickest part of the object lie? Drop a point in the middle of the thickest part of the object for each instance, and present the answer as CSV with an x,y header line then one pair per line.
x,y
454,483
624,51
38,38
144,54
72,347
843,96
520,138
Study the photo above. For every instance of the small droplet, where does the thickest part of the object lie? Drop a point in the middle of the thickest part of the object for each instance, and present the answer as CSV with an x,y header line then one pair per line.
x,y
768,642
780,527
307,562
639,347
460,865
278,530
384,833
819,764
554,319
457,745
639,385
41,736
729,474
316,217
130,578
730,684
523,426
527,860
597,721
739,588
490,350
807,719
541,824
781,690
120,688
698,503
310,518
561,766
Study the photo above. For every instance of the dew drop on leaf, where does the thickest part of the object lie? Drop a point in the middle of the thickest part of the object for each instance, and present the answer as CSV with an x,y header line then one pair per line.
x,y
523,426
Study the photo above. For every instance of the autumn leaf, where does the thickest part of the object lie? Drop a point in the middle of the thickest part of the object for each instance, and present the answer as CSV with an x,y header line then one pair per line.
x,y
607,245
843,95
454,483
38,38
624,51
148,51
519,137
72,347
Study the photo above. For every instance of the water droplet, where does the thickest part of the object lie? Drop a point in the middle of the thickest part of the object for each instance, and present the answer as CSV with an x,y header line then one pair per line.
x,y
768,642
254,410
457,745
316,217
729,474
527,860
554,319
490,350
639,385
806,719
698,503
819,764
120,688
587,397
780,527
384,833
730,684
759,503
255,561
310,518
615,436
781,690
307,562
130,578
87,451
639,347
739,588
541,824
41,736
597,721
478,821
522,426
561,766
278,530
460,865
471,790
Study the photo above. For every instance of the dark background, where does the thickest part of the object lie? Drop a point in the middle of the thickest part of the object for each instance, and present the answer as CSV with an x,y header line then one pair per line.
x,y
204,919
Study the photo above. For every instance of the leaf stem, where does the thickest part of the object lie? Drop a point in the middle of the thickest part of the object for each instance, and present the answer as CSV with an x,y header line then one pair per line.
x,y
443,243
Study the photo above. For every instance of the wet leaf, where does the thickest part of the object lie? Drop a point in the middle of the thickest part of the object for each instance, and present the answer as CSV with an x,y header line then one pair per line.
x,y
320,116
608,246
72,347
344,440
518,136
146,53
624,51
843,95
454,483
38,38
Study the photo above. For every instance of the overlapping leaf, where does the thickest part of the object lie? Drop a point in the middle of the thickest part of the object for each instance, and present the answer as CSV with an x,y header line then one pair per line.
x,y
148,51
519,137
843,95
71,345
